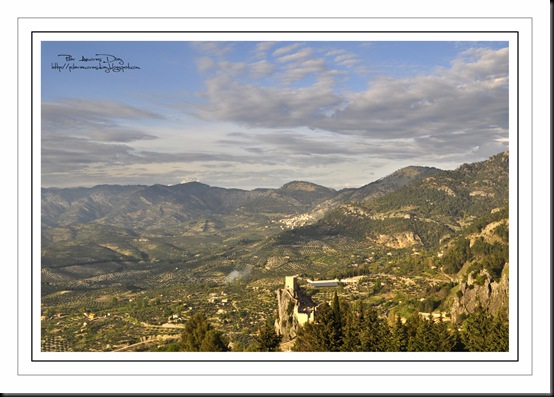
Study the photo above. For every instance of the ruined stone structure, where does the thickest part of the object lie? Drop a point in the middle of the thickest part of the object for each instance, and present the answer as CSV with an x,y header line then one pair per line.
x,y
295,309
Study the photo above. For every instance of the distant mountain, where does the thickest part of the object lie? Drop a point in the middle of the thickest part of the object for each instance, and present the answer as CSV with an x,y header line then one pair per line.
x,y
434,205
385,185
159,206
379,187
414,207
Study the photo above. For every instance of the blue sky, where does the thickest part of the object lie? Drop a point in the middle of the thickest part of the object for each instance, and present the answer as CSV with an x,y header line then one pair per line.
x,y
260,114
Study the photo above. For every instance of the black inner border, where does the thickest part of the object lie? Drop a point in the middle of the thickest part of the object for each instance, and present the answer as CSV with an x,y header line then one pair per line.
x,y
280,31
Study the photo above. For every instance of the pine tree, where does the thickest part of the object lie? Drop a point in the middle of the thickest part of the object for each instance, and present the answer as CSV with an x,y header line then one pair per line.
x,y
238,346
399,336
268,340
424,339
499,340
445,339
483,332
320,336
374,333
199,335
337,317
305,339
327,330
476,330
457,340
351,329
412,325
213,342
335,306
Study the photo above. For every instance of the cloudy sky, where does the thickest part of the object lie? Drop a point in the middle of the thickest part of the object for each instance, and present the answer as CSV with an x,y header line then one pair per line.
x,y
260,114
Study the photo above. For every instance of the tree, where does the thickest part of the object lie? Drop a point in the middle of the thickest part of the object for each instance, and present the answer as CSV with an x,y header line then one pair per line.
x,y
486,333
433,336
412,325
199,335
238,346
321,335
499,340
365,331
374,333
267,340
456,256
399,336
351,329
306,339
447,340
335,306
213,342
337,316
423,340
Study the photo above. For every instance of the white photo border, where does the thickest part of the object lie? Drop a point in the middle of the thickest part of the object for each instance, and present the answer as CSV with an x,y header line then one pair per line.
x,y
518,31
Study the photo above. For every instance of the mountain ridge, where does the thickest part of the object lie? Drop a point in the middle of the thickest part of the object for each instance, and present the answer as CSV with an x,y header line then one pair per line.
x,y
107,203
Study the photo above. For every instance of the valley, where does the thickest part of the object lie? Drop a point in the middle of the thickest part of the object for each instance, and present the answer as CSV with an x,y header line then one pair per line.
x,y
126,268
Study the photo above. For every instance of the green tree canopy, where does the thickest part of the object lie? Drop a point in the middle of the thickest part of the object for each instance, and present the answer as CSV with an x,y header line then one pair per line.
x,y
200,336
484,332
267,340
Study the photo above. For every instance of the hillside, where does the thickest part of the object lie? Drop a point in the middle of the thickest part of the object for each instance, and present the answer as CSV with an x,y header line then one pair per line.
x,y
424,211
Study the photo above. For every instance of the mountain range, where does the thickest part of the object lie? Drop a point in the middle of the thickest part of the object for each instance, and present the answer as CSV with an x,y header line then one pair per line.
x,y
413,208
159,206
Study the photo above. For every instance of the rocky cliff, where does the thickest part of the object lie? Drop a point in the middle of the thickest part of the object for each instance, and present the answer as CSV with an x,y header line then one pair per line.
x,y
295,309
481,289
399,240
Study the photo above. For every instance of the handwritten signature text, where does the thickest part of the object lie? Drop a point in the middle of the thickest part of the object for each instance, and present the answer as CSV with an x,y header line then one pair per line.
x,y
98,62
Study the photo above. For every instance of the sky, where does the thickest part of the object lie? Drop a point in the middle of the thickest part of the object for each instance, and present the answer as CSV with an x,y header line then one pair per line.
x,y
250,114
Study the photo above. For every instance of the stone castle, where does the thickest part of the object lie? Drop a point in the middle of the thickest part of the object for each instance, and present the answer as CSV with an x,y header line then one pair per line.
x,y
295,309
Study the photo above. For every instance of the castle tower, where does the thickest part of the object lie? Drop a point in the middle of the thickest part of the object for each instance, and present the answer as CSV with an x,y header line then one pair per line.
x,y
291,283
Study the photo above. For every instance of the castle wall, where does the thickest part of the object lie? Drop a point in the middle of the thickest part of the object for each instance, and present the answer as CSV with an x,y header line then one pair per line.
x,y
289,306
302,318
291,283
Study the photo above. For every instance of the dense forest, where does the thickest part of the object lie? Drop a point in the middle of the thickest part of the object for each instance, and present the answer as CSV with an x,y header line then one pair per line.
x,y
344,327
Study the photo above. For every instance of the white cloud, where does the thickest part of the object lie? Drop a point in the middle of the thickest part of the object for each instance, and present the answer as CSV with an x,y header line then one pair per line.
x,y
283,50
335,52
91,119
265,45
217,48
204,63
258,106
261,68
306,52
231,68
299,70
344,57
262,48
470,95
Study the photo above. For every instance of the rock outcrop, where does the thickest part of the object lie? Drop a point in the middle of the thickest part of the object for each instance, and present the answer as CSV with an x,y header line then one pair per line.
x,y
399,240
491,294
295,309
